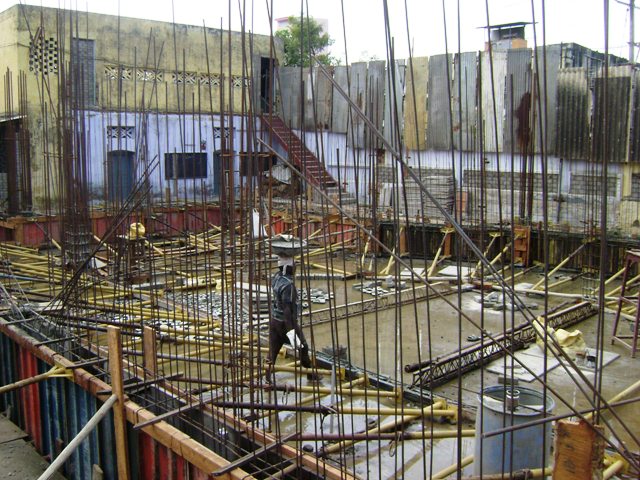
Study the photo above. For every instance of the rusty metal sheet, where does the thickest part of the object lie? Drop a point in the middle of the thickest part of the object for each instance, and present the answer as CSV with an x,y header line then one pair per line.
x,y
415,110
393,102
375,99
572,119
438,103
518,122
463,102
492,98
323,99
289,80
358,95
340,107
548,61
611,118
308,94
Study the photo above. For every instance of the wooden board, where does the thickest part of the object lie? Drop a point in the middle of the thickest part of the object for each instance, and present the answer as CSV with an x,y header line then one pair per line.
x,y
578,451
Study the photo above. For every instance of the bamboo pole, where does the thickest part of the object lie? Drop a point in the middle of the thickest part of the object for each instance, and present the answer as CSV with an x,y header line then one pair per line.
x,y
630,390
54,372
444,473
434,263
486,252
560,265
78,439
613,469
393,424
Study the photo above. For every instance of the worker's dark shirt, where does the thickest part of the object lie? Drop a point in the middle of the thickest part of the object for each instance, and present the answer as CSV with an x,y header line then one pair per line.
x,y
283,292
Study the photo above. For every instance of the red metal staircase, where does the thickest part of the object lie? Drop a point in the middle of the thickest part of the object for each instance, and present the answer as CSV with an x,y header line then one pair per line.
x,y
311,167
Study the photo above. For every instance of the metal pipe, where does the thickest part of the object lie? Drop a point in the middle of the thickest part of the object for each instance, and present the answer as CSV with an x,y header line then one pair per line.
x,y
518,475
77,440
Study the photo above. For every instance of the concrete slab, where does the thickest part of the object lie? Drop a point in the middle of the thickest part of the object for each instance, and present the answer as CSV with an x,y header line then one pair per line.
x,y
18,459
532,358
9,432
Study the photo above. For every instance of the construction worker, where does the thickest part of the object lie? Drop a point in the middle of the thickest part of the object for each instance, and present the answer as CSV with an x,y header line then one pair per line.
x,y
283,325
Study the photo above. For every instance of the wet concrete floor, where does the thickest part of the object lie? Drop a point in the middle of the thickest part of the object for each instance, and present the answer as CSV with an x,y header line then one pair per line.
x,y
384,342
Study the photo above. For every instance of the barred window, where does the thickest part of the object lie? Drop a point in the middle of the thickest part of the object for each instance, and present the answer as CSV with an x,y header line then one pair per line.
x,y
491,180
635,186
592,184
185,165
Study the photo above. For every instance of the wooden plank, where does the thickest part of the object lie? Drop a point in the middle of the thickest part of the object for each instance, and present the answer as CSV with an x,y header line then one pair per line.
x,y
119,419
578,450
150,350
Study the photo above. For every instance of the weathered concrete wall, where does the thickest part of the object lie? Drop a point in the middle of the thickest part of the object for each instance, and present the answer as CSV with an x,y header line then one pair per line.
x,y
9,56
130,65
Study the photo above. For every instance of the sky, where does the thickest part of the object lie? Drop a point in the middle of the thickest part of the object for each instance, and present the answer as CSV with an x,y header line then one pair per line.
x,y
579,21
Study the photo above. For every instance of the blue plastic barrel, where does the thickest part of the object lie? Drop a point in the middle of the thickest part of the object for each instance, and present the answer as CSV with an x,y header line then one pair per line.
x,y
504,406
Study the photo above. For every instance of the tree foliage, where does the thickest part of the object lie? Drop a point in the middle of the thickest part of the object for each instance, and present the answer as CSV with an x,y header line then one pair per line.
x,y
304,40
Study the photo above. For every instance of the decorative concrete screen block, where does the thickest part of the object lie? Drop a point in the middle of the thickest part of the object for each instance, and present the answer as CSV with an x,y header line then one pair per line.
x,y
239,81
120,132
218,132
188,78
149,75
111,72
43,55
213,80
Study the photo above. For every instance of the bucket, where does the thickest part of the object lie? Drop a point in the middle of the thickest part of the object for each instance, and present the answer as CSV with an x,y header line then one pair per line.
x,y
504,406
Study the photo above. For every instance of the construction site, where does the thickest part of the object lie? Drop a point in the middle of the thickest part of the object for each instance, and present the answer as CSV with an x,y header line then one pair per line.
x,y
464,230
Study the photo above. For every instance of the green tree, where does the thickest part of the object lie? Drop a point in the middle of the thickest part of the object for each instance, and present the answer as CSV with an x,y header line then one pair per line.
x,y
308,35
